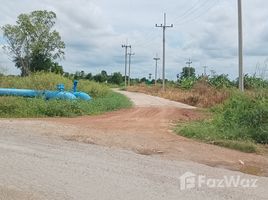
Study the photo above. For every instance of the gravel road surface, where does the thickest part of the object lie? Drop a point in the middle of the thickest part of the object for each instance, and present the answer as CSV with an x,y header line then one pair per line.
x,y
144,100
41,167
36,163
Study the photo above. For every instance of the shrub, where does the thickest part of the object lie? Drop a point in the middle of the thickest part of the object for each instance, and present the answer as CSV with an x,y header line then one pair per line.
x,y
244,117
252,82
220,81
238,123
187,83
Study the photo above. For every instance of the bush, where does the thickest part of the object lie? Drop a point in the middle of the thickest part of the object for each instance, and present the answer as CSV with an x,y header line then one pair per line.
x,y
252,82
220,81
244,117
187,83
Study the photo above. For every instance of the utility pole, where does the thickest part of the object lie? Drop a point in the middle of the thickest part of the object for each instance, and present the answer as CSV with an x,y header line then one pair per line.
x,y
129,62
189,62
156,61
126,47
164,26
240,46
189,66
205,70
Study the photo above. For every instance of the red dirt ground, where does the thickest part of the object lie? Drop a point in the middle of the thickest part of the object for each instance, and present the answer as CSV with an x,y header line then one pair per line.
x,y
148,131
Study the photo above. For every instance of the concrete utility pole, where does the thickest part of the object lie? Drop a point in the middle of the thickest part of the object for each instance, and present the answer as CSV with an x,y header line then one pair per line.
x,y
189,62
189,66
156,61
126,47
164,26
205,70
129,62
240,46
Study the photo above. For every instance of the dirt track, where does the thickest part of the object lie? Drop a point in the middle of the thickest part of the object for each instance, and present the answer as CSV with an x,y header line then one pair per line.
x,y
147,129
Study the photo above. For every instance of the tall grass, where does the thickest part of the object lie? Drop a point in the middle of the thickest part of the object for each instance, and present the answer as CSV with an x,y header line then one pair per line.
x,y
103,98
20,107
48,81
239,123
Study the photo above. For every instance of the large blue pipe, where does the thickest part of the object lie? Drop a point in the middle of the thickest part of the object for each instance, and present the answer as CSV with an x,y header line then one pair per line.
x,y
19,92
60,94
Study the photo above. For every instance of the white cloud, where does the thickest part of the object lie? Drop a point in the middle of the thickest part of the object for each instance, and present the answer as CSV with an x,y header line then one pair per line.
x,y
206,31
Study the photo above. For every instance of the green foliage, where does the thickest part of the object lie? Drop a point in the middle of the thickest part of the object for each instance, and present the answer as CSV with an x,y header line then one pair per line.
x,y
252,82
187,83
116,78
187,72
104,99
26,107
245,117
220,81
32,42
238,123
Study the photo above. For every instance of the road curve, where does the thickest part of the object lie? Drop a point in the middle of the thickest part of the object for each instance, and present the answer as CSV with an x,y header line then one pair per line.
x,y
144,100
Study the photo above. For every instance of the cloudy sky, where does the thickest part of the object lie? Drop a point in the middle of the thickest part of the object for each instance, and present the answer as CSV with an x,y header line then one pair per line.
x,y
204,30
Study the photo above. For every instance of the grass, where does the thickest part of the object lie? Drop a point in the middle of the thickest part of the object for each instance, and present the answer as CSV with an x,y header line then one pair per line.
x,y
20,107
240,123
49,81
207,132
104,99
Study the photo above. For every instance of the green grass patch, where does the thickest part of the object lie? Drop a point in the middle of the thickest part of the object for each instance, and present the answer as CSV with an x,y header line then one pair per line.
x,y
103,98
240,123
207,132
19,107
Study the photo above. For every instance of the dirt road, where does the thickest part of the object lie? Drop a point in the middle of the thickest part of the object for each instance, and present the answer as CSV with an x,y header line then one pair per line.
x,y
128,154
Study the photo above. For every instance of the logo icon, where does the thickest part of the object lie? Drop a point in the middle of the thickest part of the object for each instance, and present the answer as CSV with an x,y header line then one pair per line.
x,y
187,181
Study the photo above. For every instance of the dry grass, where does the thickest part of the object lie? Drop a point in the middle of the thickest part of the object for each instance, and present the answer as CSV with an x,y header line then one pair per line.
x,y
201,95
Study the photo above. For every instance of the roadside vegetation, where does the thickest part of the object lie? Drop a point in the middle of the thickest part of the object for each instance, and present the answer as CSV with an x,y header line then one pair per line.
x,y
239,123
103,98
233,119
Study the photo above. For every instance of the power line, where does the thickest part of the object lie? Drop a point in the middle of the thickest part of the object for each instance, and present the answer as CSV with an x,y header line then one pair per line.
x,y
164,26
191,10
180,22
126,47
129,54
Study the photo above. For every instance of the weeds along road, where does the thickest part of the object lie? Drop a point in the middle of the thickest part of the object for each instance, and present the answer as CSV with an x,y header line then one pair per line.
x,y
128,154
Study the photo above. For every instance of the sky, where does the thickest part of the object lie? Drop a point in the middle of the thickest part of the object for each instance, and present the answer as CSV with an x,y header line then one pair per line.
x,y
204,30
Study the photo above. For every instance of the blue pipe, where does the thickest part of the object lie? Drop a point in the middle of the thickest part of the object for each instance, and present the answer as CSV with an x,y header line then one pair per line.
x,y
60,94
19,92
80,95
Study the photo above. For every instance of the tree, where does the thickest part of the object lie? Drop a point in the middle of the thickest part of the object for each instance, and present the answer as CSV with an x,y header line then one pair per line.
x,y
116,78
187,72
79,75
102,77
56,68
32,43
89,76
